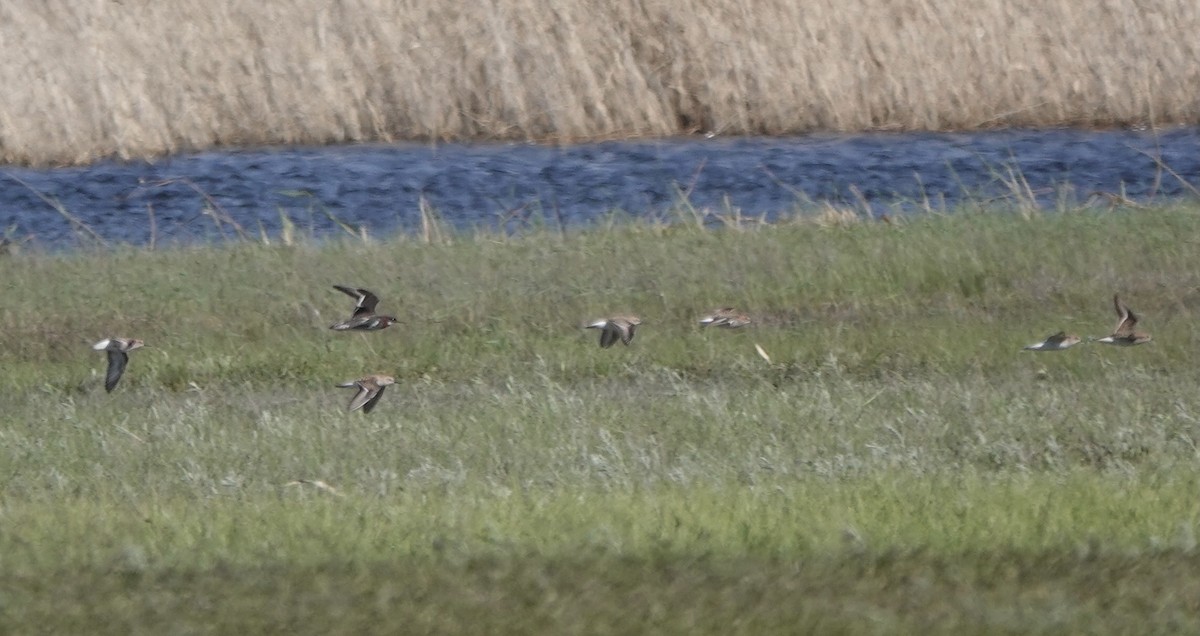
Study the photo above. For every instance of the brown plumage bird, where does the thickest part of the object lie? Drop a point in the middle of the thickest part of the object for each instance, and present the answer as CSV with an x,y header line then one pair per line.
x,y
1056,342
370,389
726,318
616,328
1125,335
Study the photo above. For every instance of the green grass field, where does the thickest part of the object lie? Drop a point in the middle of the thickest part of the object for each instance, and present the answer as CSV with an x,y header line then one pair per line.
x,y
899,465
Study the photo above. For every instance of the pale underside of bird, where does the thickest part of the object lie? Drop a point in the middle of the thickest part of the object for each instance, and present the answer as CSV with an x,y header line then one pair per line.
x,y
1125,333
616,328
364,317
1055,342
316,483
118,357
370,389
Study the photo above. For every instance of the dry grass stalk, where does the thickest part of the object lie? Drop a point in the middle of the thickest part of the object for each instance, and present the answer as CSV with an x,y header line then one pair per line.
x,y
137,78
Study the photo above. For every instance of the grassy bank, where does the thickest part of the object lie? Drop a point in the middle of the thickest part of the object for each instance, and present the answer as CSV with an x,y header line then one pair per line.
x,y
136,79
899,464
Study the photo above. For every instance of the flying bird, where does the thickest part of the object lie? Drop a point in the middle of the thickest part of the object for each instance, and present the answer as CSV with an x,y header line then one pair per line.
x,y
370,389
364,318
1124,334
1056,342
725,317
617,327
118,356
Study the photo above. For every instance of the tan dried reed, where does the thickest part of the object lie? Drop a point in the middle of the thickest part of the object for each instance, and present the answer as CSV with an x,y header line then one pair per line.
x,y
137,78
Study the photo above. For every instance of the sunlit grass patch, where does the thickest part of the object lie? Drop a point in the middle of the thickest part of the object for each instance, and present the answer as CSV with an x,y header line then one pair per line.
x,y
898,460
1038,553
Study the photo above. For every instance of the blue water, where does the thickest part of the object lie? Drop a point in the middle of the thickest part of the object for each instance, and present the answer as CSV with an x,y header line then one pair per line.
x,y
505,186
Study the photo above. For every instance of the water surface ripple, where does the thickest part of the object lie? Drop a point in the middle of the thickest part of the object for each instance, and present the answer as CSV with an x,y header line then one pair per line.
x,y
378,187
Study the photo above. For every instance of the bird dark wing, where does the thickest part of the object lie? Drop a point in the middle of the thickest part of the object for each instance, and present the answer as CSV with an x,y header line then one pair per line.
x,y
364,300
354,322
350,291
374,398
627,332
116,367
363,396
608,335
366,303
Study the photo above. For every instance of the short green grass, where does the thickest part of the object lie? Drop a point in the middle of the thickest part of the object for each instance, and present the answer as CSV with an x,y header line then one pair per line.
x,y
899,464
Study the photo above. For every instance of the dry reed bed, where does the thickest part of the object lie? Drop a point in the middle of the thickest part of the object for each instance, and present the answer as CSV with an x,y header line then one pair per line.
x,y
137,78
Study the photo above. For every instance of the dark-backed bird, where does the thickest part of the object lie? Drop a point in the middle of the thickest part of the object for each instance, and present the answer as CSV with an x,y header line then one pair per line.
x,y
118,356
616,328
1055,342
364,317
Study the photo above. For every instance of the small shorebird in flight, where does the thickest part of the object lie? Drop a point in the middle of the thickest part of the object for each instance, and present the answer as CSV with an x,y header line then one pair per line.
x,y
118,356
1057,342
370,389
725,317
616,327
1124,335
364,318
